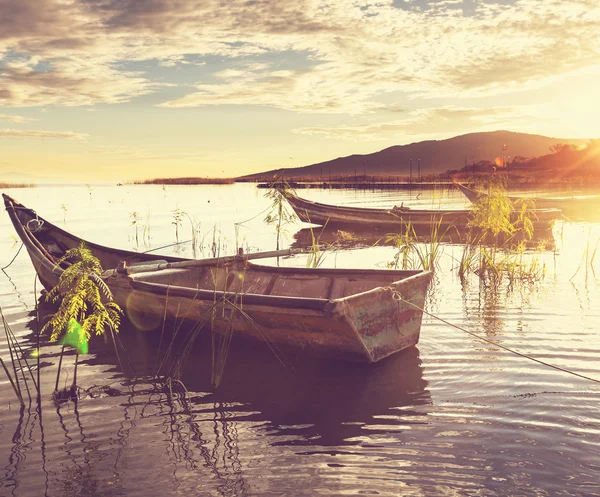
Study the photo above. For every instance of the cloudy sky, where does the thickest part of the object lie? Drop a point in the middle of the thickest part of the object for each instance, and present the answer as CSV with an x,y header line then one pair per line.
x,y
125,89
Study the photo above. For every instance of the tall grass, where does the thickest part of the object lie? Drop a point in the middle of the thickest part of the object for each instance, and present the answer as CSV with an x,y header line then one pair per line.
x,y
497,243
411,253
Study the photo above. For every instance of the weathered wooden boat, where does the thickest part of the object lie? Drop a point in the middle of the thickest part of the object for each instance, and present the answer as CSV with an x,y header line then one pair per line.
x,y
573,206
362,315
395,218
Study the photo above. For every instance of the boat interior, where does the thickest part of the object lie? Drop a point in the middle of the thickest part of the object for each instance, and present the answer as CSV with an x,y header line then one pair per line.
x,y
283,282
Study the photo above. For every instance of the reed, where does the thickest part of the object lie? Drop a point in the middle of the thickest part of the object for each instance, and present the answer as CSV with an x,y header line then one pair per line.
x,y
22,371
279,214
177,221
412,253
492,251
587,258
135,220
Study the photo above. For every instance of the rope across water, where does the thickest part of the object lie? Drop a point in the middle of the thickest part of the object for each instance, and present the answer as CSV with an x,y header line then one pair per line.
x,y
483,339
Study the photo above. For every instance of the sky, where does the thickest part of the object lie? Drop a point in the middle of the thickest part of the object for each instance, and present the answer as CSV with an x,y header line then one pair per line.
x,y
118,90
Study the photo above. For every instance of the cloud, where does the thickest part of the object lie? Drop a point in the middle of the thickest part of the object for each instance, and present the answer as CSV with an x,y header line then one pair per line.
x,y
430,123
24,133
13,118
345,55
69,82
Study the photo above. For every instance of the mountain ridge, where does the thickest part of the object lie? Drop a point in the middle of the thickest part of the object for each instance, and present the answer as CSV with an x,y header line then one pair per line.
x,y
429,156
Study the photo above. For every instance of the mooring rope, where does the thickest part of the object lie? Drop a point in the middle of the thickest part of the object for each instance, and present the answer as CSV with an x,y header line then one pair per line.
x,y
13,259
486,340
159,248
254,217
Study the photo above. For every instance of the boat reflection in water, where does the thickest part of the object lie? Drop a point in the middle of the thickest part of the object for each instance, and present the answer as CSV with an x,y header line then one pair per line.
x,y
357,236
215,440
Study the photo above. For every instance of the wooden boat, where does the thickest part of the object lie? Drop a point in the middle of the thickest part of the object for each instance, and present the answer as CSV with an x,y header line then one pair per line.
x,y
355,314
570,206
390,219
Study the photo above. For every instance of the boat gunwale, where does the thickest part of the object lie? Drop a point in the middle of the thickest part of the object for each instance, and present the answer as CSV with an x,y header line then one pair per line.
x,y
371,210
136,280
434,214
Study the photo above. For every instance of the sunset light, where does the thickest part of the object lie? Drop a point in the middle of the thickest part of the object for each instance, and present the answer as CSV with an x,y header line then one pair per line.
x,y
123,90
300,248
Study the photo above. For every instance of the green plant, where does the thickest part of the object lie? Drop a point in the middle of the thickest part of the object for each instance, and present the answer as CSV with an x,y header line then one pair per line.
x,y
412,253
404,242
86,303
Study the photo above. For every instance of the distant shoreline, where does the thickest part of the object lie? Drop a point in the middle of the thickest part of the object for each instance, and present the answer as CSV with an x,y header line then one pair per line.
x,y
17,185
186,181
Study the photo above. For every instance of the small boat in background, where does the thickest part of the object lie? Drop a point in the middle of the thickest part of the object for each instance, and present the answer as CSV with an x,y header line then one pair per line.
x,y
576,207
363,315
396,217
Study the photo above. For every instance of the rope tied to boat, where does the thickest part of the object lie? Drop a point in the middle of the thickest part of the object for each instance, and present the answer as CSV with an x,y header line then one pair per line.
x,y
397,296
34,225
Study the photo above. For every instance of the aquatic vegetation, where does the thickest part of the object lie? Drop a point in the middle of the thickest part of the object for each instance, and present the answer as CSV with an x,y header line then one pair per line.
x,y
177,221
279,214
22,371
86,303
186,181
411,253
135,219
497,242
587,258
17,185
317,252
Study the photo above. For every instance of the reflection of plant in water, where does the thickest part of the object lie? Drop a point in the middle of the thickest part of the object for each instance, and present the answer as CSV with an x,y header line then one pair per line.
x,y
587,258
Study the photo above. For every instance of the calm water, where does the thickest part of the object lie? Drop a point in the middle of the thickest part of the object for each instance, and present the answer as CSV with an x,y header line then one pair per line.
x,y
453,416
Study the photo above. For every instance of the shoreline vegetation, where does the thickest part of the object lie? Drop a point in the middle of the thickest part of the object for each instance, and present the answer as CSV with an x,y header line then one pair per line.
x,y
517,179
17,185
186,181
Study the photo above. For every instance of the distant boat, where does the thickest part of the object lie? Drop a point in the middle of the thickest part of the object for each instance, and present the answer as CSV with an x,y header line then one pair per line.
x,y
580,206
355,314
317,213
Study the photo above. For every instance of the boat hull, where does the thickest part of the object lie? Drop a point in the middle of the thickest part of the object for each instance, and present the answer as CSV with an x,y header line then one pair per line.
x,y
571,207
397,218
306,309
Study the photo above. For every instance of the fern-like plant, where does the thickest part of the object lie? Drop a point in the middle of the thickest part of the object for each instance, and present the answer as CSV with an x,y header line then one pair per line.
x,y
86,303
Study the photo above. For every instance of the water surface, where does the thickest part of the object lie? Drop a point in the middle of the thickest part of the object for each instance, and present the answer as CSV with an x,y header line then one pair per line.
x,y
453,416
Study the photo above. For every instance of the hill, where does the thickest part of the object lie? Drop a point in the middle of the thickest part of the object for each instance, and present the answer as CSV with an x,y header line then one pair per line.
x,y
431,156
